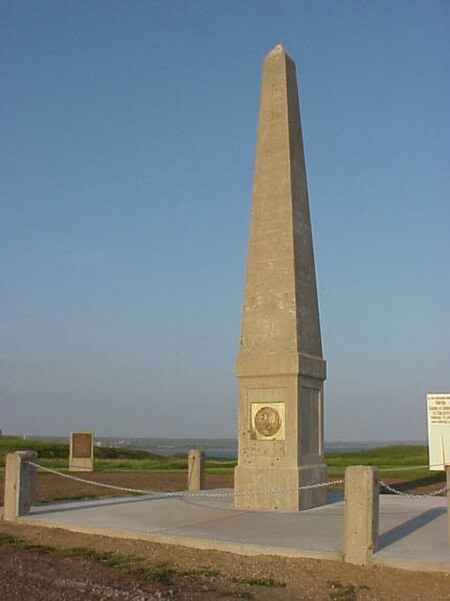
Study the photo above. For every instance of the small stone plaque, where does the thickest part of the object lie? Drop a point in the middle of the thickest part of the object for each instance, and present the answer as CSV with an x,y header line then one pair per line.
x,y
268,421
81,445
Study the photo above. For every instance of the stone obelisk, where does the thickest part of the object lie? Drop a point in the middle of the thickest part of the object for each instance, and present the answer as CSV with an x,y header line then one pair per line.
x,y
280,365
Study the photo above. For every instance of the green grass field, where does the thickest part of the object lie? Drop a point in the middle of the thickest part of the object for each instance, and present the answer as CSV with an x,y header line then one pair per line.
x,y
404,462
56,455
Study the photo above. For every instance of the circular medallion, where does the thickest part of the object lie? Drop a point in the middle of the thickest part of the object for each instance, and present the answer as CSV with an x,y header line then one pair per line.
x,y
267,421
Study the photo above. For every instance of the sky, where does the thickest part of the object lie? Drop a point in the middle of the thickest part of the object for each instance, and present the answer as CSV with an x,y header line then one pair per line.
x,y
128,143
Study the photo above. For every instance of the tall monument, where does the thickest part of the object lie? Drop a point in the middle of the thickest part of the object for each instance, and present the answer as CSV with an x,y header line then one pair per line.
x,y
280,365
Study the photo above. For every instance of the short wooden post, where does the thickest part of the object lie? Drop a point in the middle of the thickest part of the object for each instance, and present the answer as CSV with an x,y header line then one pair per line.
x,y
361,510
20,484
196,470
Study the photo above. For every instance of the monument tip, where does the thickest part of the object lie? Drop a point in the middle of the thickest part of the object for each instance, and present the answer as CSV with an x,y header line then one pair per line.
x,y
277,49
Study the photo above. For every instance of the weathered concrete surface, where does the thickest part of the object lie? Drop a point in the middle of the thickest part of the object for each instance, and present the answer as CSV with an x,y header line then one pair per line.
x,y
196,470
412,531
20,484
361,508
280,365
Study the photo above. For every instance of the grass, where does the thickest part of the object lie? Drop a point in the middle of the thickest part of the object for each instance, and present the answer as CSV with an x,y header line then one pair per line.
x,y
341,592
388,455
404,463
139,568
268,582
56,450
131,565
56,455
44,449
236,594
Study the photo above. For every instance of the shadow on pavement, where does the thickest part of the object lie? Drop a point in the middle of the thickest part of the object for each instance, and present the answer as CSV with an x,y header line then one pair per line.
x,y
402,530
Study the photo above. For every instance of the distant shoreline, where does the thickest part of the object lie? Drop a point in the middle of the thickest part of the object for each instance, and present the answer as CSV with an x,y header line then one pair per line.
x,y
217,447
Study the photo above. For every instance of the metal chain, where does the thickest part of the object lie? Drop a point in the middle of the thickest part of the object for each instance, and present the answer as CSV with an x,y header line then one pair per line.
x,y
84,480
405,494
268,491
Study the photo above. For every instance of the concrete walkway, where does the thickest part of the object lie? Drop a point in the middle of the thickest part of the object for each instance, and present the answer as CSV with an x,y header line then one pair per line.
x,y
413,532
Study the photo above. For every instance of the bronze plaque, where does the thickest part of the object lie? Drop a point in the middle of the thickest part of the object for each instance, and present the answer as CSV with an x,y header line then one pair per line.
x,y
267,421
82,445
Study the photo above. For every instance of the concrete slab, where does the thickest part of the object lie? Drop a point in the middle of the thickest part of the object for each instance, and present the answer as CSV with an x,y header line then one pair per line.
x,y
413,532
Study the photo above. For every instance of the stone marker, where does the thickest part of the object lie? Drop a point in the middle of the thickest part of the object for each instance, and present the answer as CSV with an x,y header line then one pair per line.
x,y
20,484
81,456
280,365
196,470
361,511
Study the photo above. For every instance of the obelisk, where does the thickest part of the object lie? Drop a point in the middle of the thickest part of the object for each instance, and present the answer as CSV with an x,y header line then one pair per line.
x,y
280,365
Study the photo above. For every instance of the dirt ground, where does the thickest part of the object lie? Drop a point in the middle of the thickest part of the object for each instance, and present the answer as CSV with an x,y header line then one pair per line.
x,y
51,564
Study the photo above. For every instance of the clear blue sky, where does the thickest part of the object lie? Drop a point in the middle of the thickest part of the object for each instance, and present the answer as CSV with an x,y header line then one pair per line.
x,y
128,141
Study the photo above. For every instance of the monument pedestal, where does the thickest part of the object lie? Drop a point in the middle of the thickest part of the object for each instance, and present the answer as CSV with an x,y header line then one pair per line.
x,y
280,432
278,487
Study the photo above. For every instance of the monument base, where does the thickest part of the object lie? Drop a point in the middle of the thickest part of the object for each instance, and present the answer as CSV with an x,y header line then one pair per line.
x,y
258,484
78,464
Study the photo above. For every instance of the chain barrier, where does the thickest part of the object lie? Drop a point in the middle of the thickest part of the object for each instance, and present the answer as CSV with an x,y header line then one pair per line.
x,y
268,491
401,493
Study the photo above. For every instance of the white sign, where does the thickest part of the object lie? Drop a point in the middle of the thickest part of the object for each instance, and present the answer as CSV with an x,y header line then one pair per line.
x,y
438,406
